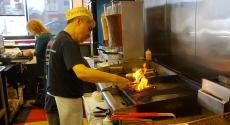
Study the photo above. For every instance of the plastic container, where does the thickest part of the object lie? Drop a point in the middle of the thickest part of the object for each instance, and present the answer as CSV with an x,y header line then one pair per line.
x,y
148,55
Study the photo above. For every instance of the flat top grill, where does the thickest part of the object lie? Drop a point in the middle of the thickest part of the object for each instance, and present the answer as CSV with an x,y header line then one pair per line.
x,y
163,88
170,93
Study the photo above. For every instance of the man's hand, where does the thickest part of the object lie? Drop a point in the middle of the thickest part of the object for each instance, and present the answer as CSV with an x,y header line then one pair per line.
x,y
122,82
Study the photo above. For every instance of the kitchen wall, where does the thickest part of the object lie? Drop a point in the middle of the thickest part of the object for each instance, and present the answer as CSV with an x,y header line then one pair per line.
x,y
189,36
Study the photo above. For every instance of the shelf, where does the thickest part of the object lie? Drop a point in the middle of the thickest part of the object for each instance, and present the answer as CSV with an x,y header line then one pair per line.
x,y
2,112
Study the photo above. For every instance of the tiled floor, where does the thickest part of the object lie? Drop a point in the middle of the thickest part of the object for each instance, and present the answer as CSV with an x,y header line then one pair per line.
x,y
37,123
31,116
35,116
34,123
46,123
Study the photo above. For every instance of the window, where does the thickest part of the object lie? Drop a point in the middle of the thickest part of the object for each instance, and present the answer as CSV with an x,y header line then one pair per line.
x,y
13,25
50,12
12,7
14,15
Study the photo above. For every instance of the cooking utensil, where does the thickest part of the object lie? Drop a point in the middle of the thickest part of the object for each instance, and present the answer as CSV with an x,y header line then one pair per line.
x,y
138,116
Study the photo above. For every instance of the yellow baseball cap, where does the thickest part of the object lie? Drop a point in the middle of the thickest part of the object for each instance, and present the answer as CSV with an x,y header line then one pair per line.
x,y
78,11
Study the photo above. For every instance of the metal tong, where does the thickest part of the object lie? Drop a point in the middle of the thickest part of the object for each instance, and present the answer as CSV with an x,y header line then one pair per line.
x,y
138,116
102,112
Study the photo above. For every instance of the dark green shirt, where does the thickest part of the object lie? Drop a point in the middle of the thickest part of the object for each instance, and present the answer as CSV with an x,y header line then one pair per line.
x,y
40,49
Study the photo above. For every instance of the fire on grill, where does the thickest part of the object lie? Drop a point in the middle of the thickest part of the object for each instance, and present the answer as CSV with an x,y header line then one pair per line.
x,y
140,82
148,91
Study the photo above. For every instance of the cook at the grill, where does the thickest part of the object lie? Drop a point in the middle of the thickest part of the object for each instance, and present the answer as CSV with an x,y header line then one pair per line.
x,y
68,71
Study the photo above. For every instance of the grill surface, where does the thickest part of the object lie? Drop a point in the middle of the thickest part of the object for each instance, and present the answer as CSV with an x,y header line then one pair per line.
x,y
167,94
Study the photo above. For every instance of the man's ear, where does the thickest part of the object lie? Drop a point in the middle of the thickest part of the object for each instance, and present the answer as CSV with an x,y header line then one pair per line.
x,y
78,21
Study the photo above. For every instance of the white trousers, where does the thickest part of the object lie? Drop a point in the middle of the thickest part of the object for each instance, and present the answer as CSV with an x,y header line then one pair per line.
x,y
70,110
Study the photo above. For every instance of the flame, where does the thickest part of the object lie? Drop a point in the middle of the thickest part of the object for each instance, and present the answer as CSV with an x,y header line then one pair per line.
x,y
142,85
140,80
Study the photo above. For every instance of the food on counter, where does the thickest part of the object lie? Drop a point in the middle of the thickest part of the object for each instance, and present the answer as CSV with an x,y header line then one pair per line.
x,y
103,64
97,95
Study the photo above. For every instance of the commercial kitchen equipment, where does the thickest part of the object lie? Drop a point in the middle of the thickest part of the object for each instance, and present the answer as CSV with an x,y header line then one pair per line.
x,y
125,39
215,95
169,93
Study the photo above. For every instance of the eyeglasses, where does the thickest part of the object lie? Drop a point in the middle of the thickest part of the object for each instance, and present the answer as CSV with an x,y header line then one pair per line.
x,y
90,28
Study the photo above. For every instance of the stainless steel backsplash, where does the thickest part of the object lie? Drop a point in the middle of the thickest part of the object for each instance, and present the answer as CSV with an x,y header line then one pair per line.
x,y
190,36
